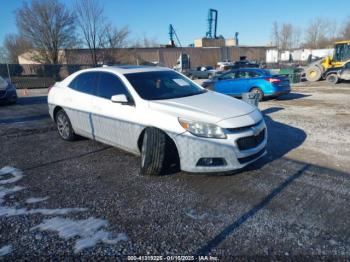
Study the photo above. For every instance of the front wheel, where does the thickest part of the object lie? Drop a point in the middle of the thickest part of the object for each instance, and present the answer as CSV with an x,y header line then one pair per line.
x,y
64,126
313,73
153,152
332,78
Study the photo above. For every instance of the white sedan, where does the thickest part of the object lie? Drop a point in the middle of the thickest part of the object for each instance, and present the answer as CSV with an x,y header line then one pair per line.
x,y
161,115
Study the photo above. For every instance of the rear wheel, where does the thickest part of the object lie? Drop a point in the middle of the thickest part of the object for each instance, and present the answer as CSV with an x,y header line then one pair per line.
x,y
258,91
332,78
153,151
64,126
313,73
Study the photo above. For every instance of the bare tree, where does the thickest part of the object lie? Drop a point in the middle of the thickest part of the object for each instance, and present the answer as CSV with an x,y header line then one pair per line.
x,y
275,37
317,33
114,38
296,38
48,25
346,30
146,42
4,56
16,45
286,36
92,25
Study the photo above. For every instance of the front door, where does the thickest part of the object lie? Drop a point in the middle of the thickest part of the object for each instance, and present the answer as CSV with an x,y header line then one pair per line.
x,y
115,123
227,83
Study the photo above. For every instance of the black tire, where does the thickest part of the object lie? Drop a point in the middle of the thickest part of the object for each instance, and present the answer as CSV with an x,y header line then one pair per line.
x,y
332,79
153,152
258,91
313,73
64,126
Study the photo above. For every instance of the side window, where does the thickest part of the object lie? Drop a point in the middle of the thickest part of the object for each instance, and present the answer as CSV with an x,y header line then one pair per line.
x,y
229,75
243,74
85,82
253,74
347,66
247,74
110,85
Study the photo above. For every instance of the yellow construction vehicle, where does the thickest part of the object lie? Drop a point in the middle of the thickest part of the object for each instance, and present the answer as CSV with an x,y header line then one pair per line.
x,y
318,69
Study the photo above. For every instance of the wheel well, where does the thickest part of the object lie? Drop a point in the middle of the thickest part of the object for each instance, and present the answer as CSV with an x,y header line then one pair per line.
x,y
257,88
55,111
331,73
173,152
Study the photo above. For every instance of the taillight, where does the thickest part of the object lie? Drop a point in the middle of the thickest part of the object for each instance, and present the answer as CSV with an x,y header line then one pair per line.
x,y
273,80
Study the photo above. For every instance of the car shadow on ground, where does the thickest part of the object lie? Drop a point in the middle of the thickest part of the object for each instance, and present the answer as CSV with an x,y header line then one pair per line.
x,y
290,96
32,100
282,139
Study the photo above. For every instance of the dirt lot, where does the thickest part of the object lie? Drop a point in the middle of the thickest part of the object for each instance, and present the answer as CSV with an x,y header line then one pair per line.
x,y
61,199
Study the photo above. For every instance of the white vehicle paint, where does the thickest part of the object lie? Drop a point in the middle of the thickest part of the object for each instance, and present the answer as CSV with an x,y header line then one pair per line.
x,y
122,124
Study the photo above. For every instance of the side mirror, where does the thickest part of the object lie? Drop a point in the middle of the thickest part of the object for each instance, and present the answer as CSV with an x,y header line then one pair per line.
x,y
122,99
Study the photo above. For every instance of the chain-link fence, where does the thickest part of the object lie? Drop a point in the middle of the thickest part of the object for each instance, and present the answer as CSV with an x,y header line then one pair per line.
x,y
37,75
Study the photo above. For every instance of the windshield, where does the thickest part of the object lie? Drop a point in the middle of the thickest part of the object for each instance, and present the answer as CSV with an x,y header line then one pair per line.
x,y
342,52
159,85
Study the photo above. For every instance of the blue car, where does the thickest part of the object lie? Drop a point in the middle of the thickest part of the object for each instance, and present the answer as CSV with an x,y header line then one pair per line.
x,y
8,93
238,81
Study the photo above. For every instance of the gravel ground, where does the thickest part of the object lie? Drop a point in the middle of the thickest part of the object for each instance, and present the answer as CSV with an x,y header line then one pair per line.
x,y
64,199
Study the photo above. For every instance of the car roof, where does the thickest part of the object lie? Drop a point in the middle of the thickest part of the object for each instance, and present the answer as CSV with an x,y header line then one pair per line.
x,y
127,69
248,69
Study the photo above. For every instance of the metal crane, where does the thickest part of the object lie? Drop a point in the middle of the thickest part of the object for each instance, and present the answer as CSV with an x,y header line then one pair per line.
x,y
212,17
172,33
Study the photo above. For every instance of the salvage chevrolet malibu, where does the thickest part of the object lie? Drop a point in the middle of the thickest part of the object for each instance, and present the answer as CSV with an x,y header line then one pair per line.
x,y
161,115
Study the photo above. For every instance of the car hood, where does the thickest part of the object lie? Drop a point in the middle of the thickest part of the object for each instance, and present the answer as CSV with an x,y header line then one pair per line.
x,y
210,107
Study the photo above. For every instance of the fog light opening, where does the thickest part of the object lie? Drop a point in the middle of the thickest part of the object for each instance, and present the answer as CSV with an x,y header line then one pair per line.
x,y
211,161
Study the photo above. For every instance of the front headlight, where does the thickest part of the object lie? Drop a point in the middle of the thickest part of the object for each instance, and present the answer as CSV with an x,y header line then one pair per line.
x,y
203,129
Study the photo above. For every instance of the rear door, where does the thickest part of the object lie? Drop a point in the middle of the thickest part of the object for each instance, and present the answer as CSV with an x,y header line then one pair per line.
x,y
244,78
255,78
114,123
78,102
